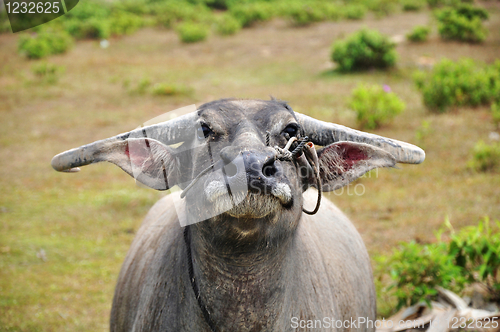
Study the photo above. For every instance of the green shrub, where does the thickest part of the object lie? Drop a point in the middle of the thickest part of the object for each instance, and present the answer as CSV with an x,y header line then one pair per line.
x,y
165,89
138,7
442,3
413,5
228,25
216,4
89,9
485,157
304,13
44,69
93,28
383,7
47,72
463,23
363,50
123,23
141,88
471,12
333,12
462,83
476,249
415,270
44,44
169,13
354,11
190,32
419,34
251,13
375,105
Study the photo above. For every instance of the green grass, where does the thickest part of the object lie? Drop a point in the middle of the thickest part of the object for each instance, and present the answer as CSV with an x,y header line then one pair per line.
x,y
85,222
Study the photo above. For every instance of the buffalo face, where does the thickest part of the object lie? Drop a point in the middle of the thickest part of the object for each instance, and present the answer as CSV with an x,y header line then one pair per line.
x,y
228,158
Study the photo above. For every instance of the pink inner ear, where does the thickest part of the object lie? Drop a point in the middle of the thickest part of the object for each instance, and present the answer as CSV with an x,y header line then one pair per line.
x,y
139,151
341,157
351,154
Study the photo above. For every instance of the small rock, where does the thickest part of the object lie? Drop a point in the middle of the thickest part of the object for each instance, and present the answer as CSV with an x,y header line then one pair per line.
x,y
104,43
42,255
398,39
494,136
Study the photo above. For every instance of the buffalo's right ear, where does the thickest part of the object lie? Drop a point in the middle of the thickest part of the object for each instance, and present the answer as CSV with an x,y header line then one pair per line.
x,y
147,160
343,162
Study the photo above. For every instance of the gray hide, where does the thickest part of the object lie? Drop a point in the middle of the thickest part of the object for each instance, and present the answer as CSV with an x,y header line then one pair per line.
x,y
261,265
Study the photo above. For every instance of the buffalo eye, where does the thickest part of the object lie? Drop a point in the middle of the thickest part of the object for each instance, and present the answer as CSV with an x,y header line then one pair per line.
x,y
203,131
292,130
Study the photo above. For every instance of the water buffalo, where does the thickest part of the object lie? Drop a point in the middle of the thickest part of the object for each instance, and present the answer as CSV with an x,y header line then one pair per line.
x,y
234,251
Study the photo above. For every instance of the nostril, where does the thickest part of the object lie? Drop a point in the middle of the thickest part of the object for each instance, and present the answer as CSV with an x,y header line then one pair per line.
x,y
269,169
230,169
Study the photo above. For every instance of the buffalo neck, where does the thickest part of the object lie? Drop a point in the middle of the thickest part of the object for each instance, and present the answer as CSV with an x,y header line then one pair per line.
x,y
253,279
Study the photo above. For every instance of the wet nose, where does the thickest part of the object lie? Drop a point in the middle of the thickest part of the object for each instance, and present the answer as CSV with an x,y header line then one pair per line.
x,y
259,165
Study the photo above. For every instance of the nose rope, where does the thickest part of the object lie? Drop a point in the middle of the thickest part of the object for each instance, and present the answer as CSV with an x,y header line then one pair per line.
x,y
282,154
286,155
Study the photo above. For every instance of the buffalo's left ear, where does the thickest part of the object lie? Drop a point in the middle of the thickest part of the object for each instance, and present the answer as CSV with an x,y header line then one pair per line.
x,y
343,162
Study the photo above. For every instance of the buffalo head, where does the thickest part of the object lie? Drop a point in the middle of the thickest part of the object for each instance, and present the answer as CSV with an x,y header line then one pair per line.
x,y
227,154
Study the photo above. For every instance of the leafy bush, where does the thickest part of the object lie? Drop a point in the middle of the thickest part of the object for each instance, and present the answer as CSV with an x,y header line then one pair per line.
x,y
251,13
354,11
93,28
216,4
383,7
413,5
442,3
169,13
463,23
419,34
363,50
190,32
228,25
123,23
142,86
47,72
375,105
476,249
417,269
138,7
485,157
44,44
472,255
43,69
165,89
304,13
458,84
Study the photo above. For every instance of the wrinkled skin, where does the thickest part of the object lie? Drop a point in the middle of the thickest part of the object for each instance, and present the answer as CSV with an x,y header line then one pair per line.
x,y
255,266
260,263
321,270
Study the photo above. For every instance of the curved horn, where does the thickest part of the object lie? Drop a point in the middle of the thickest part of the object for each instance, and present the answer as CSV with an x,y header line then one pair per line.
x,y
168,132
325,133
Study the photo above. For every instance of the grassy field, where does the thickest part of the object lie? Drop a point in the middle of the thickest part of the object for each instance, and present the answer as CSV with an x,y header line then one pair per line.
x,y
63,237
